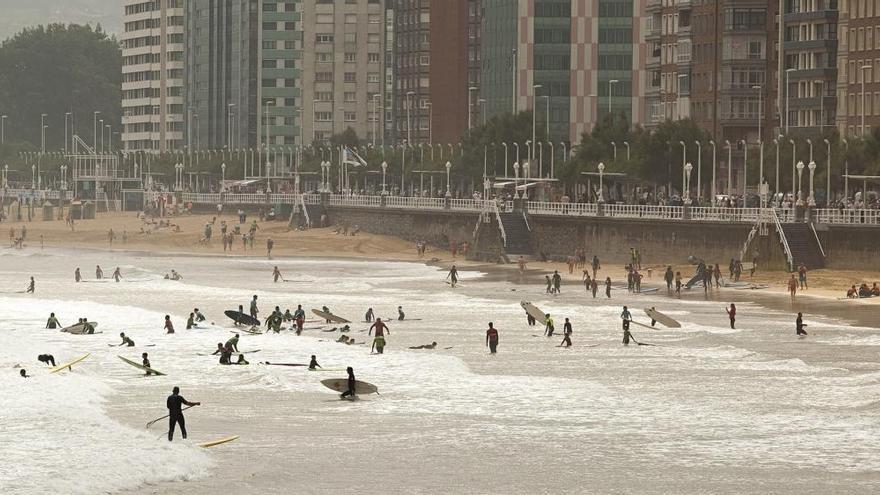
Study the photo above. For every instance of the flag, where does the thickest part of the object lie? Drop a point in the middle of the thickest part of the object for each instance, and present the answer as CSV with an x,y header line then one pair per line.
x,y
350,157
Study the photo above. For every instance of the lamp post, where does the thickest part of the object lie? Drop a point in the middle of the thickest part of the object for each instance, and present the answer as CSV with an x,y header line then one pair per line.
x,y
601,167
3,128
33,176
729,163
525,193
66,140
611,84
828,196
552,160
448,191
812,198
43,133
515,179
95,130
505,158
810,143
546,115
528,150
540,159
516,145
687,186
375,99
626,143
793,167
760,109
614,150
745,171
776,185
384,169
800,170
845,168
712,189
222,175
564,151
864,68
683,162
699,168
402,170
535,88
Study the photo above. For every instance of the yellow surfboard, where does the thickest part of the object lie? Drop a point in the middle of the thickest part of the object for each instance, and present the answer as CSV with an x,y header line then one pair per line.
x,y
68,365
219,441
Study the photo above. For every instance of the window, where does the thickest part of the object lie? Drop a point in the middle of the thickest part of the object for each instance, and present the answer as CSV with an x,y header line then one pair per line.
x,y
350,116
350,58
324,77
350,37
269,45
324,57
373,58
350,96
270,26
373,77
323,116
324,95
323,38
351,18
350,77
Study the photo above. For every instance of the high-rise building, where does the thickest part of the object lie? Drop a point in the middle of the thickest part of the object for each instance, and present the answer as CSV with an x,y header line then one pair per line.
x,y
243,75
574,61
436,63
810,51
858,87
343,68
152,75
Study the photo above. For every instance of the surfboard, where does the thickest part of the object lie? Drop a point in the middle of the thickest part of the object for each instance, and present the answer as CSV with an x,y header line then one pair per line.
x,y
643,325
341,385
78,328
68,365
252,330
285,364
533,311
326,369
661,318
219,441
330,316
753,287
243,318
140,366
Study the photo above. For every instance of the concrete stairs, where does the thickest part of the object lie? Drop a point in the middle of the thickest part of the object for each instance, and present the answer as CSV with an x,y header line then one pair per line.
x,y
519,236
803,245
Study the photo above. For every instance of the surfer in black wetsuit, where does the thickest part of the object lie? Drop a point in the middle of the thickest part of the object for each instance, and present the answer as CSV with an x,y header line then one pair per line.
x,y
52,322
432,345
566,332
453,276
653,321
254,310
76,275
799,325
626,317
191,321
276,275
241,312
400,315
47,358
146,361
24,374
31,286
313,364
175,413
351,384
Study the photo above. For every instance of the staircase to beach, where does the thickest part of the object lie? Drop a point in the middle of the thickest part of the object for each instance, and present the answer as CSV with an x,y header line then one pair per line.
x,y
519,236
803,245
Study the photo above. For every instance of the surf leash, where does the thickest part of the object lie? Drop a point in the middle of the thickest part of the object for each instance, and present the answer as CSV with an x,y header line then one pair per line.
x,y
151,423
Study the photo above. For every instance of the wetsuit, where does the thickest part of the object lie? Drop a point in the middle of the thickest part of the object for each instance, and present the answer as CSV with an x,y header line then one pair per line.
x,y
199,316
799,326
127,342
46,358
400,315
566,332
313,364
254,310
351,386
626,316
732,314
368,317
169,326
492,340
175,414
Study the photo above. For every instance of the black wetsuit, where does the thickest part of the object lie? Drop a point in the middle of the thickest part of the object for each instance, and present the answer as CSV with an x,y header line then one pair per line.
x,y
799,326
313,364
351,386
175,415
46,358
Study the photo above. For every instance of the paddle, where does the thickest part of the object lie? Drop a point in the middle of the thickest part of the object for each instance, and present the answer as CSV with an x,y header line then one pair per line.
x,y
151,423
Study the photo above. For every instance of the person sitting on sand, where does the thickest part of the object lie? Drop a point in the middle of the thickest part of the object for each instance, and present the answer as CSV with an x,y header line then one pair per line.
x,y
432,345
875,290
852,293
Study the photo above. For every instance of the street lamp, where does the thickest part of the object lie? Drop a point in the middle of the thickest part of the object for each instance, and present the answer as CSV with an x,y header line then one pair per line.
x,y
776,185
699,168
683,161
610,85
384,169
793,167
601,168
810,143
745,172
33,176
552,160
516,145
687,186
729,163
3,128
864,68
828,196
626,143
222,175
760,110
800,170
409,95
505,159
95,130
712,143
43,133
375,99
614,150
448,191
812,199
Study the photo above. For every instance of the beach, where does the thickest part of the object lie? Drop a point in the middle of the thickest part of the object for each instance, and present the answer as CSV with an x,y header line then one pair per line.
x,y
705,408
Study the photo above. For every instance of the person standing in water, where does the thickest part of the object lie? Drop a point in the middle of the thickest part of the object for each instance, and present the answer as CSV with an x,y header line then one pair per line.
x,y
299,316
566,332
608,287
52,323
175,412
557,281
199,316
626,317
269,245
492,339
400,314
31,286
731,313
548,326
379,340
313,364
146,361
352,385
191,321
76,275
117,275
169,327
369,316
99,274
254,310
453,276
799,325
276,275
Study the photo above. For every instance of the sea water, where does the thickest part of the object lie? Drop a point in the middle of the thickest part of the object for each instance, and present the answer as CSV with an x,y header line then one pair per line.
x,y
706,409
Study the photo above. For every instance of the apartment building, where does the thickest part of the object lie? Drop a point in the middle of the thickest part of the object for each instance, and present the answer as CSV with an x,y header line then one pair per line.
x,y
243,73
343,68
152,75
858,62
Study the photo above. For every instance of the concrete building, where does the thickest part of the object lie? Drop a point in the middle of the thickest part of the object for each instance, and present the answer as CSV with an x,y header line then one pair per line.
x,y
858,62
580,58
243,74
811,65
436,63
343,68
152,75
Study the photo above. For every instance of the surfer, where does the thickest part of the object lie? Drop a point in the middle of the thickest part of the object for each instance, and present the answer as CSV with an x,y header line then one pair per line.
x,y
352,384
241,312
799,325
47,358
168,325
792,286
199,316
379,340
88,328
492,338
76,275
653,321
548,326
276,275
608,287
31,286
299,316
731,313
313,364
175,413
566,332
99,274
594,287
254,310
549,289
626,316
400,315
52,322
432,345
191,321
327,310
557,281
595,265
24,374
368,317
233,342
453,276
269,245
175,275
117,275
146,362
125,340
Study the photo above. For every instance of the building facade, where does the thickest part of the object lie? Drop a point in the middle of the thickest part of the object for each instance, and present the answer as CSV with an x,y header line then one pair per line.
x,y
243,74
858,62
152,76
343,68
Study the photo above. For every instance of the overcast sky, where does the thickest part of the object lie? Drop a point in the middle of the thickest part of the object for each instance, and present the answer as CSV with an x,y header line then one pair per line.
x,y
18,14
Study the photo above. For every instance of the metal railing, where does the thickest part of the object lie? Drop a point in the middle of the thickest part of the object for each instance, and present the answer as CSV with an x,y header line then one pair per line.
x,y
783,239
848,217
500,223
467,204
644,211
565,209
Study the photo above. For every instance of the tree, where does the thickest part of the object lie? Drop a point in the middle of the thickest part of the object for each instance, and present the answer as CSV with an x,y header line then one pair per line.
x,y
54,70
484,145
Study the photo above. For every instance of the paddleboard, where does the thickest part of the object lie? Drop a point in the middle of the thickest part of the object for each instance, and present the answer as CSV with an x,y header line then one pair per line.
x,y
341,385
661,318
243,318
78,328
68,365
330,316
219,441
140,366
533,311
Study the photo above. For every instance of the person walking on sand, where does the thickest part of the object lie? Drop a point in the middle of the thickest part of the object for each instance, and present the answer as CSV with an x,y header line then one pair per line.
x,y
792,286
492,339
276,274
799,325
731,313
595,265
566,334
717,274
175,412
549,326
668,277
